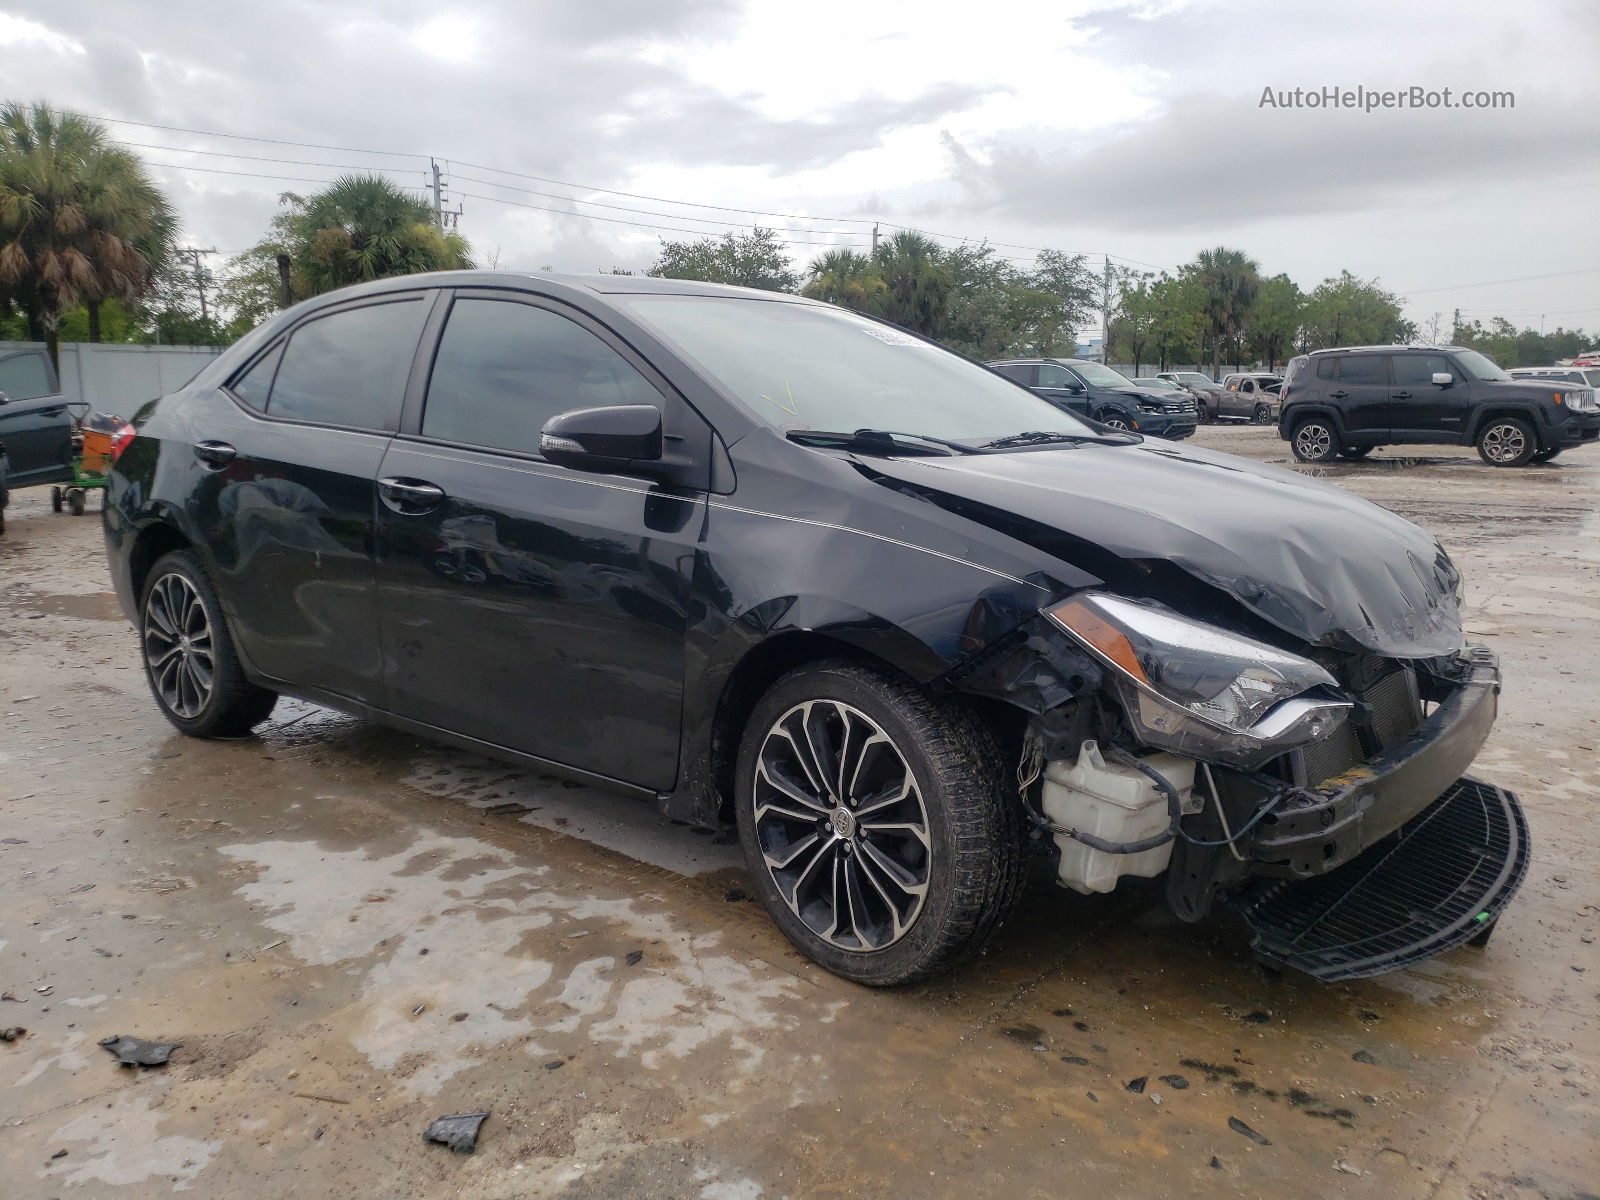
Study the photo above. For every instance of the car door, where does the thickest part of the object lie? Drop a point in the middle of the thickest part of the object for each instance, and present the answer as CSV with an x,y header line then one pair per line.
x,y
35,423
525,604
290,457
1062,388
1361,390
1417,405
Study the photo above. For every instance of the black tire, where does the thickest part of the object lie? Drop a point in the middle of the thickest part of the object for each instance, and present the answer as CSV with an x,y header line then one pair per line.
x,y
233,706
1208,415
971,862
1507,442
1545,456
1315,440
55,499
75,500
1262,415
1356,451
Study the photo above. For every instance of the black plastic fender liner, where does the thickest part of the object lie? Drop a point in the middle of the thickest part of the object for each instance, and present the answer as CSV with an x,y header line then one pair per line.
x,y
1441,879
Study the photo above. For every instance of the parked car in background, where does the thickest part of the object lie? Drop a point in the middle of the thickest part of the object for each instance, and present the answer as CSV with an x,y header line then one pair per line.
x,y
36,424
1206,391
1582,376
1345,402
771,564
1105,395
1589,358
1153,383
1250,396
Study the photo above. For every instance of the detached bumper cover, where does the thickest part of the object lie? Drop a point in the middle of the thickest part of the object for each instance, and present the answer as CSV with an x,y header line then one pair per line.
x,y
1322,829
1440,880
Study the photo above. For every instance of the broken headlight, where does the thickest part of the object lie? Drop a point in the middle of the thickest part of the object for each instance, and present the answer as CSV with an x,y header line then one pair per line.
x,y
1202,691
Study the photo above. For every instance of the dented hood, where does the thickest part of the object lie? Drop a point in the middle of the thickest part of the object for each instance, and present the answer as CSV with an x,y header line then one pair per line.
x,y
1314,560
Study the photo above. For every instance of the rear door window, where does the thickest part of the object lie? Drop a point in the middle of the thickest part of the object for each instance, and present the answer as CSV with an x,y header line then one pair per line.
x,y
503,369
26,375
349,367
1362,369
1023,373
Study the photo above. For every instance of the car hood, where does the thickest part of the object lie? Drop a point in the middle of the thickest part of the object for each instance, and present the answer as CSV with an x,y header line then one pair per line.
x,y
1314,560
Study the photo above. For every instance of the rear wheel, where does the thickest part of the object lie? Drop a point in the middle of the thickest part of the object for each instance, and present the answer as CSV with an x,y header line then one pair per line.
x,y
1314,441
875,823
1507,442
188,653
1262,415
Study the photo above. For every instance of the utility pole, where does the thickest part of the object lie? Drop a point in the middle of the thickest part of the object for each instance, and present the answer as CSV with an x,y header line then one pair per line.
x,y
1105,313
438,195
1455,328
874,239
193,253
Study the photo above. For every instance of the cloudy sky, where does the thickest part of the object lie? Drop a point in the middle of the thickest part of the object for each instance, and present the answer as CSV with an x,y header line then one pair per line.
x,y
1133,129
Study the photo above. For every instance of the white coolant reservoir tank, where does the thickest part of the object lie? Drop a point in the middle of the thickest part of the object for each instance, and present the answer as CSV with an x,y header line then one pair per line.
x,y
1114,803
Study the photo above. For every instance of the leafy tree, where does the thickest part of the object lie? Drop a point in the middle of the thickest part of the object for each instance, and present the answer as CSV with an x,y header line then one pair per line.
x,y
1133,329
846,278
917,282
1347,311
1075,292
1179,319
358,228
1229,280
80,219
755,260
1275,320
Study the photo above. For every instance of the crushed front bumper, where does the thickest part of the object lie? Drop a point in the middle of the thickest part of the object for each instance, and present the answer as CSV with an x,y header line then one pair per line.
x,y
1319,829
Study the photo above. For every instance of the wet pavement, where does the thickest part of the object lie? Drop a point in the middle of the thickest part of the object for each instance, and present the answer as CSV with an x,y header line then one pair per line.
x,y
352,932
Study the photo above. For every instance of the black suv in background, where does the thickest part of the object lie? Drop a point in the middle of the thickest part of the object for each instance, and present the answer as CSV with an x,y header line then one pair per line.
x,y
1094,390
1345,402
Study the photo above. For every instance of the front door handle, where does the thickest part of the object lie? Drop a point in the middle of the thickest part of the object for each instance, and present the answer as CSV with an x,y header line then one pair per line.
x,y
214,453
410,496
1338,395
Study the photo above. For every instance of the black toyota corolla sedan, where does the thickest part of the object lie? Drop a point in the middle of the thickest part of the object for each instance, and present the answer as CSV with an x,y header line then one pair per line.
x,y
768,563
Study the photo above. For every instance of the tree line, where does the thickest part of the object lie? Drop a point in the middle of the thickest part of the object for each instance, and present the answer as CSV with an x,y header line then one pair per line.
x,y
89,251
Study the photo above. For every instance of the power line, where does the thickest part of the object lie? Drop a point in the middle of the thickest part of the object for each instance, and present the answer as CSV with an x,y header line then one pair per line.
x,y
619,221
259,175
1493,282
246,138
294,162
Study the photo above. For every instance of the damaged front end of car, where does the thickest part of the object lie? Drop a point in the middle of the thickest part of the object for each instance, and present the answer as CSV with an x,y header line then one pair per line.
x,y
1317,791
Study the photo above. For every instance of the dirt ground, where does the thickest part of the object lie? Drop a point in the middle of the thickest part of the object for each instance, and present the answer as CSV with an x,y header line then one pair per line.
x,y
352,932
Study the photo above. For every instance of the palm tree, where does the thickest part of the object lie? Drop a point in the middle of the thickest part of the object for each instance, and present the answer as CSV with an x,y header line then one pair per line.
x,y
363,227
848,278
917,283
80,220
1230,280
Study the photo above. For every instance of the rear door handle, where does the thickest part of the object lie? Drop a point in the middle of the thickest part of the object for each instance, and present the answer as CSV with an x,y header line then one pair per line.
x,y
410,496
1402,395
215,454
1338,395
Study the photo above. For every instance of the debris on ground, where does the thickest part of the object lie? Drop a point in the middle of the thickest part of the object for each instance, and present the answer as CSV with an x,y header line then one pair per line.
x,y
734,895
1216,1163
59,1154
1239,1126
11,1033
136,1052
1361,1056
459,1132
1341,1165
1075,1060
1137,1085
1176,1082
632,957
1258,1017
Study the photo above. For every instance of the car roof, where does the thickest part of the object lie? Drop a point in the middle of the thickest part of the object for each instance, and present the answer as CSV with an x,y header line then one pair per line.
x,y
1384,349
598,284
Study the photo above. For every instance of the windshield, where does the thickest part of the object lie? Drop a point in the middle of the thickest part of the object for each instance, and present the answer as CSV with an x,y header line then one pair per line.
x,y
801,366
1194,377
1096,375
1479,367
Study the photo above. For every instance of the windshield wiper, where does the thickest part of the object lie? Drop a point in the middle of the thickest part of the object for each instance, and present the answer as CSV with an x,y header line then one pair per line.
x,y
1042,437
877,439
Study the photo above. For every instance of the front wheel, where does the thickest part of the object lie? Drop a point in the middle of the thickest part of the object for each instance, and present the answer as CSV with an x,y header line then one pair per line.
x,y
1114,420
875,823
1507,442
1314,441
188,653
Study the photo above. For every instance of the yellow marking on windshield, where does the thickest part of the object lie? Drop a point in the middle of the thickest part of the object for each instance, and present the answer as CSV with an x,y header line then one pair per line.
x,y
789,407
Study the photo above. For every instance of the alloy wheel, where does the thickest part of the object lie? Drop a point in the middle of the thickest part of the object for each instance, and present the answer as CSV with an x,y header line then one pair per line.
x,y
1504,442
841,825
1117,423
1313,440
178,647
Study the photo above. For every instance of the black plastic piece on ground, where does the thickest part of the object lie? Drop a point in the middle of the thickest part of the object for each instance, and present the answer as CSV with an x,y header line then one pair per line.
x,y
136,1052
1439,880
459,1132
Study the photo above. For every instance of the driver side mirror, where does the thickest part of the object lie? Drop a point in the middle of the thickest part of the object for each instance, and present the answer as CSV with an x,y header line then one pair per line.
x,y
1443,378
623,439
